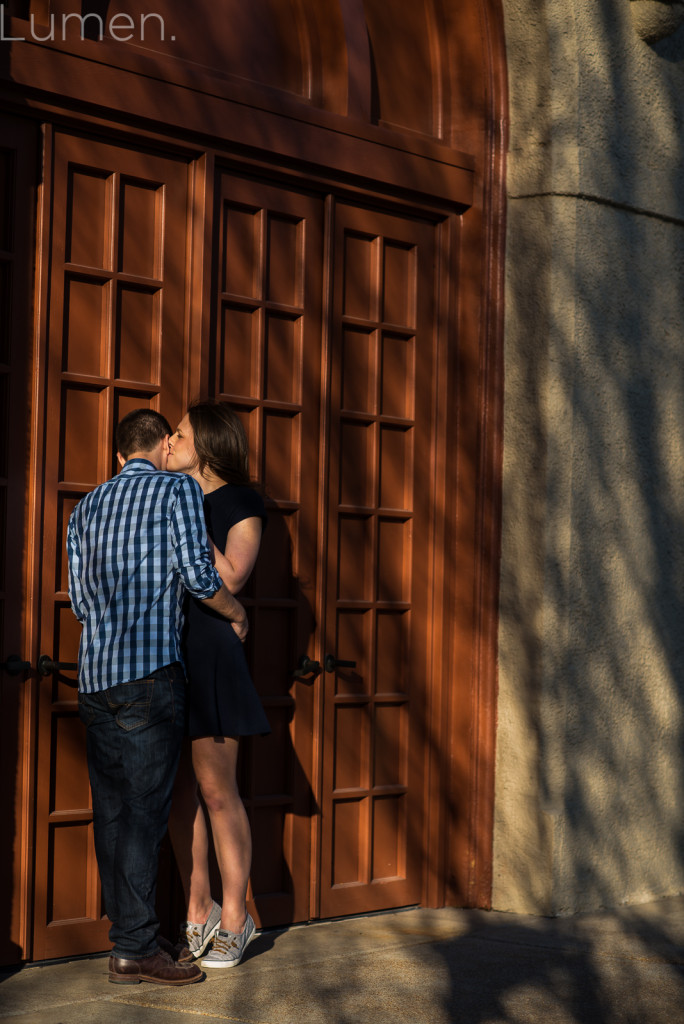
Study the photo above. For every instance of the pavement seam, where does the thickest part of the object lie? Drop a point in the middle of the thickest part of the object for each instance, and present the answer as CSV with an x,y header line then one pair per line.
x,y
176,1009
51,1006
114,1001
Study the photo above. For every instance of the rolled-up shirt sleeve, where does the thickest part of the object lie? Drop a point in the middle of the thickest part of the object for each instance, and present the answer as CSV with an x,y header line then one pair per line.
x,y
74,560
191,552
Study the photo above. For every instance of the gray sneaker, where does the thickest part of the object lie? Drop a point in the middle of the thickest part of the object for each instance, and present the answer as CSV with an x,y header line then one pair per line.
x,y
194,938
228,948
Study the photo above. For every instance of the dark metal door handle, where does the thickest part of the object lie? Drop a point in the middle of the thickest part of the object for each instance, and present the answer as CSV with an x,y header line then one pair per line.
x,y
331,663
14,666
306,666
46,666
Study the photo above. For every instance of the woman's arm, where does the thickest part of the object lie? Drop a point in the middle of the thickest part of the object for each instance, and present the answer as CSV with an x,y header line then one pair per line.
x,y
242,548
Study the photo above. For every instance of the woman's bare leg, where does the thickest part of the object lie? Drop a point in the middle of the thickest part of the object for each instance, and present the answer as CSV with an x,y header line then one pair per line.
x,y
215,762
190,841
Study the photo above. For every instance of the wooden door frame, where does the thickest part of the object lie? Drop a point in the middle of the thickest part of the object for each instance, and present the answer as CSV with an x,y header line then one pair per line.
x,y
34,503
16,729
467,876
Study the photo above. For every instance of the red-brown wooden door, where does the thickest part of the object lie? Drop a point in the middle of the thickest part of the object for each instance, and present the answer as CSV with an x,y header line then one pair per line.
x,y
266,362
379,488
115,341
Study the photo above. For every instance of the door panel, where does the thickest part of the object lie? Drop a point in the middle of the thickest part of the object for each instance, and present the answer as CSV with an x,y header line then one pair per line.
x,y
115,343
379,542
267,357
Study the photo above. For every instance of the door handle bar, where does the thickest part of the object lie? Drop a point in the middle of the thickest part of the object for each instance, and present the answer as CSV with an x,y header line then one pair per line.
x,y
305,666
331,663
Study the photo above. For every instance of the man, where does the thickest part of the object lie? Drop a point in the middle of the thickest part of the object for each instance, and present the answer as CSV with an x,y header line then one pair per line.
x,y
135,545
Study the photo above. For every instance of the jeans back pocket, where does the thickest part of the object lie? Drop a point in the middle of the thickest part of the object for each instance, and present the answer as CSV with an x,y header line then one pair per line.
x,y
131,703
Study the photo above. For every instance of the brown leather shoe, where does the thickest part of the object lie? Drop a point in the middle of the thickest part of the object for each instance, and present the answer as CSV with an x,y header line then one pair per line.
x,y
182,954
160,969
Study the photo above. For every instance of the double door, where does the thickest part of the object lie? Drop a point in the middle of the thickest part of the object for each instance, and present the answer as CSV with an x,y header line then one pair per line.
x,y
315,318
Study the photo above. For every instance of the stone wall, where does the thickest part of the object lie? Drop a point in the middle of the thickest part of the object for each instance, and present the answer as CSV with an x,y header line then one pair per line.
x,y
590,762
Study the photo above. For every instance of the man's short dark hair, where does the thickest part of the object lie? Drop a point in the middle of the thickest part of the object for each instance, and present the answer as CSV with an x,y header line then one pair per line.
x,y
141,431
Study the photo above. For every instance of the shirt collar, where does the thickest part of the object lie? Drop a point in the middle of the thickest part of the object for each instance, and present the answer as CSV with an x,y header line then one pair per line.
x,y
138,465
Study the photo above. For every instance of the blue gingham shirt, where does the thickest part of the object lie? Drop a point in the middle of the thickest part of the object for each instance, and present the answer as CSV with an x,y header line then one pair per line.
x,y
135,545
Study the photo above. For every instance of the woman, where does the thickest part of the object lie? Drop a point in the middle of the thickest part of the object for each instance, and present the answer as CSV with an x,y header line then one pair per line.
x,y
210,445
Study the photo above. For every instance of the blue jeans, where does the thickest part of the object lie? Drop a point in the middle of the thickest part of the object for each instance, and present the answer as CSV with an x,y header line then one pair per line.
x,y
133,740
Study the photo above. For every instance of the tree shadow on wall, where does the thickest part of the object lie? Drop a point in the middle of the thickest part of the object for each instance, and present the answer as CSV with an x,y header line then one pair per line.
x,y
592,609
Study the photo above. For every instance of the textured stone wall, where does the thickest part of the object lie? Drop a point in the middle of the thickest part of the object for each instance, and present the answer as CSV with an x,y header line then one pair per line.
x,y
590,761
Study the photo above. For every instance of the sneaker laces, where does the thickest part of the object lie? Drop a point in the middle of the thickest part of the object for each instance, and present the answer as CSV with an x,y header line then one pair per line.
x,y
222,945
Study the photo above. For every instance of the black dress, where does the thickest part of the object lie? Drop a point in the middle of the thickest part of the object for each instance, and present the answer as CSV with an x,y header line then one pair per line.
x,y
222,699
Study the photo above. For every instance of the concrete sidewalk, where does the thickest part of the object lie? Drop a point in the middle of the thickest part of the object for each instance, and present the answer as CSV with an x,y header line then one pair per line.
x,y
404,967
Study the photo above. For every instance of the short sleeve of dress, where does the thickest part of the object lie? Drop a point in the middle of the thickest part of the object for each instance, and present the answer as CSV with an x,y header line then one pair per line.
x,y
229,505
247,504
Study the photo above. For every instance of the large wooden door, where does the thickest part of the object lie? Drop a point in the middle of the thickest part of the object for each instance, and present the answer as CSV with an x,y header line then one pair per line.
x,y
115,341
324,340
378,505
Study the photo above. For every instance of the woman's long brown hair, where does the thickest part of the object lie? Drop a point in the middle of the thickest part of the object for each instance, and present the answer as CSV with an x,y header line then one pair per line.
x,y
220,440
